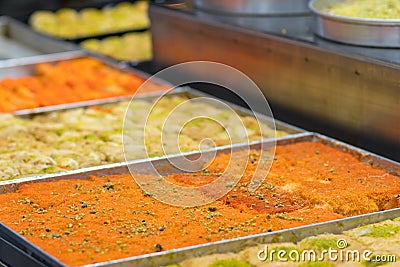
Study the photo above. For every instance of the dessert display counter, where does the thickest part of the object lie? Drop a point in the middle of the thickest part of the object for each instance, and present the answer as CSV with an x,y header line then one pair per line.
x,y
93,170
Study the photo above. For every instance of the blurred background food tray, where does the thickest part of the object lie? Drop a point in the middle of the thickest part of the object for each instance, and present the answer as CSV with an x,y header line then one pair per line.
x,y
131,48
236,244
167,258
375,32
18,41
76,25
22,9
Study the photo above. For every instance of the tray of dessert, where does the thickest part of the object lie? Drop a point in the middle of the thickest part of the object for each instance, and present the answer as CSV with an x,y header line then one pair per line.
x,y
18,41
77,25
104,218
60,81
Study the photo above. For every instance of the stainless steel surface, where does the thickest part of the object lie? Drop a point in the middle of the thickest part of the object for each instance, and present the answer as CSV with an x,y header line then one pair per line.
x,y
358,31
293,235
18,41
355,94
298,25
254,7
386,54
26,66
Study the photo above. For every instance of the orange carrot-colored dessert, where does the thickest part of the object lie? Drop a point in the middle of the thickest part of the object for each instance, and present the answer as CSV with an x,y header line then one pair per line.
x,y
67,82
105,218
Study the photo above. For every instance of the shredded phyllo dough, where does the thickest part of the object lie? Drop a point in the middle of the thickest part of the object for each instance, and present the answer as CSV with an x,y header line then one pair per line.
x,y
371,9
85,137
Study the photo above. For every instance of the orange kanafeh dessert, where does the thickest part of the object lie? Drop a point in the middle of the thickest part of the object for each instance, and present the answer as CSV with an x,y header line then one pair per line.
x,y
106,218
68,82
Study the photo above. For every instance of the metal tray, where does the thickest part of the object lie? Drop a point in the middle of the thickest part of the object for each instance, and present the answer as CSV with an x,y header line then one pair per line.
x,y
236,244
25,67
100,36
357,31
19,41
254,7
186,92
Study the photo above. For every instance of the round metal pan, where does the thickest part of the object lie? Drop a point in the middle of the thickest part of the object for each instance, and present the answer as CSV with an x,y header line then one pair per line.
x,y
299,25
356,31
254,7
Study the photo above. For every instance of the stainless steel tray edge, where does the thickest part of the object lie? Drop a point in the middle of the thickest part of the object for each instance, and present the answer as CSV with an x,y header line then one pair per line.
x,y
22,34
122,167
237,244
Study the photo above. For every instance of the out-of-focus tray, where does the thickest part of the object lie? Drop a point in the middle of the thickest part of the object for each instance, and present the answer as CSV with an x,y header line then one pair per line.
x,y
131,62
351,30
236,244
79,39
254,7
18,41
25,67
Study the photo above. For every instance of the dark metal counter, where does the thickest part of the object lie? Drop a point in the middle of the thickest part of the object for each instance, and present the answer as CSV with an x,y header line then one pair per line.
x,y
295,27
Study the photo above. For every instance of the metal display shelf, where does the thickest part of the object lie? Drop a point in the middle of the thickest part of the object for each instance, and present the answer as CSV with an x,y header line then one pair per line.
x,y
353,90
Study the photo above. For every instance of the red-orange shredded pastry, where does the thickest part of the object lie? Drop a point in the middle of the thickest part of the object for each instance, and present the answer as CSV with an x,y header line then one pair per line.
x,y
105,218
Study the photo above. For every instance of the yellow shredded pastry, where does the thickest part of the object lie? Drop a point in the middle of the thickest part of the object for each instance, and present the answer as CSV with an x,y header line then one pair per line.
x,y
373,9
